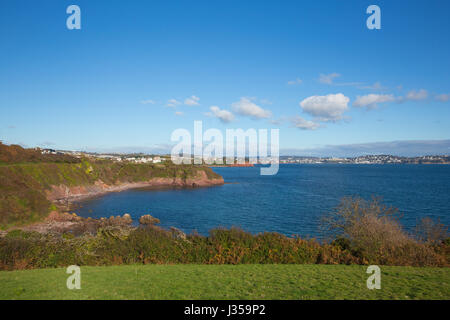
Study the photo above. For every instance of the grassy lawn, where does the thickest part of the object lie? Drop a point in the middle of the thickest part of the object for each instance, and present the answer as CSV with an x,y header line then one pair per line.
x,y
227,282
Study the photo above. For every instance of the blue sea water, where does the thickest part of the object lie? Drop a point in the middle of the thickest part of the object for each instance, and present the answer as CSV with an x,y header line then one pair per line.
x,y
291,202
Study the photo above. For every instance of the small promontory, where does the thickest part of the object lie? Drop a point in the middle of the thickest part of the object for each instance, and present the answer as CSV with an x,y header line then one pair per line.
x,y
31,186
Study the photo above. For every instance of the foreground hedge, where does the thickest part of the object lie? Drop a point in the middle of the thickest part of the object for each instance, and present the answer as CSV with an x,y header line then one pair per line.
x,y
152,245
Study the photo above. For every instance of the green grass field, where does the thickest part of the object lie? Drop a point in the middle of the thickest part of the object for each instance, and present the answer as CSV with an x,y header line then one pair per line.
x,y
227,282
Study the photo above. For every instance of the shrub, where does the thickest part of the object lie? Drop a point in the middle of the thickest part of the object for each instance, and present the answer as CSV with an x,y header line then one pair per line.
x,y
371,231
431,232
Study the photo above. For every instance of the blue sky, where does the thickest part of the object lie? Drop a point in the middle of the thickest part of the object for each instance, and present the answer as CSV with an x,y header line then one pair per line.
x,y
137,70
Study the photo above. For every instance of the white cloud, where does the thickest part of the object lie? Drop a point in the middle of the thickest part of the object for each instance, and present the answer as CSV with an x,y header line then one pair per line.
x,y
148,102
326,108
304,124
328,78
192,101
173,103
375,86
370,101
443,97
248,108
413,95
179,113
223,115
294,82
417,95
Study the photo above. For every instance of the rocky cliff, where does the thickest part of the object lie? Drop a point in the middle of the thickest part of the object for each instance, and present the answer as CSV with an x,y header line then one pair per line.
x,y
30,191
73,193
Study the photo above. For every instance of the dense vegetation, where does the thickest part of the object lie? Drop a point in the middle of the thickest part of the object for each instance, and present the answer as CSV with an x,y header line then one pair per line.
x,y
113,241
17,154
23,184
227,282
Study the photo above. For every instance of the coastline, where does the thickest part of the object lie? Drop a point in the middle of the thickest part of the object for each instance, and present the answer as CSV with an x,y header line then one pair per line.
x,y
63,193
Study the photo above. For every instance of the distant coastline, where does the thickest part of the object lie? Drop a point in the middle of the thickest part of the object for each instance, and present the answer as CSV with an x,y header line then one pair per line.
x,y
368,159
400,163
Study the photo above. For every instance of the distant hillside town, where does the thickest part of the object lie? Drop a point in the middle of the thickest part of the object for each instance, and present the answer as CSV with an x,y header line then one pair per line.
x,y
135,158
370,159
367,159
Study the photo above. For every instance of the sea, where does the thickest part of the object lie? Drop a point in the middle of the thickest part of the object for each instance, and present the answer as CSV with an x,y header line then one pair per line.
x,y
292,202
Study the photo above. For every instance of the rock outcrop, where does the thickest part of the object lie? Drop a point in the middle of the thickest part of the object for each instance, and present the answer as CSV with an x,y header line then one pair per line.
x,y
148,220
66,193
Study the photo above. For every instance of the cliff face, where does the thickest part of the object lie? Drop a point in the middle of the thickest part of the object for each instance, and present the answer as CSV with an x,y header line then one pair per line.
x,y
71,193
29,191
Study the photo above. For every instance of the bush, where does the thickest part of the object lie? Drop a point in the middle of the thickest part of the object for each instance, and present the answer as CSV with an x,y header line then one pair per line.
x,y
431,232
371,231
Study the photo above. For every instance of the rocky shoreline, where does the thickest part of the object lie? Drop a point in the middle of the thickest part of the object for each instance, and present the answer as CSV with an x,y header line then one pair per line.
x,y
65,222
63,196
64,193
